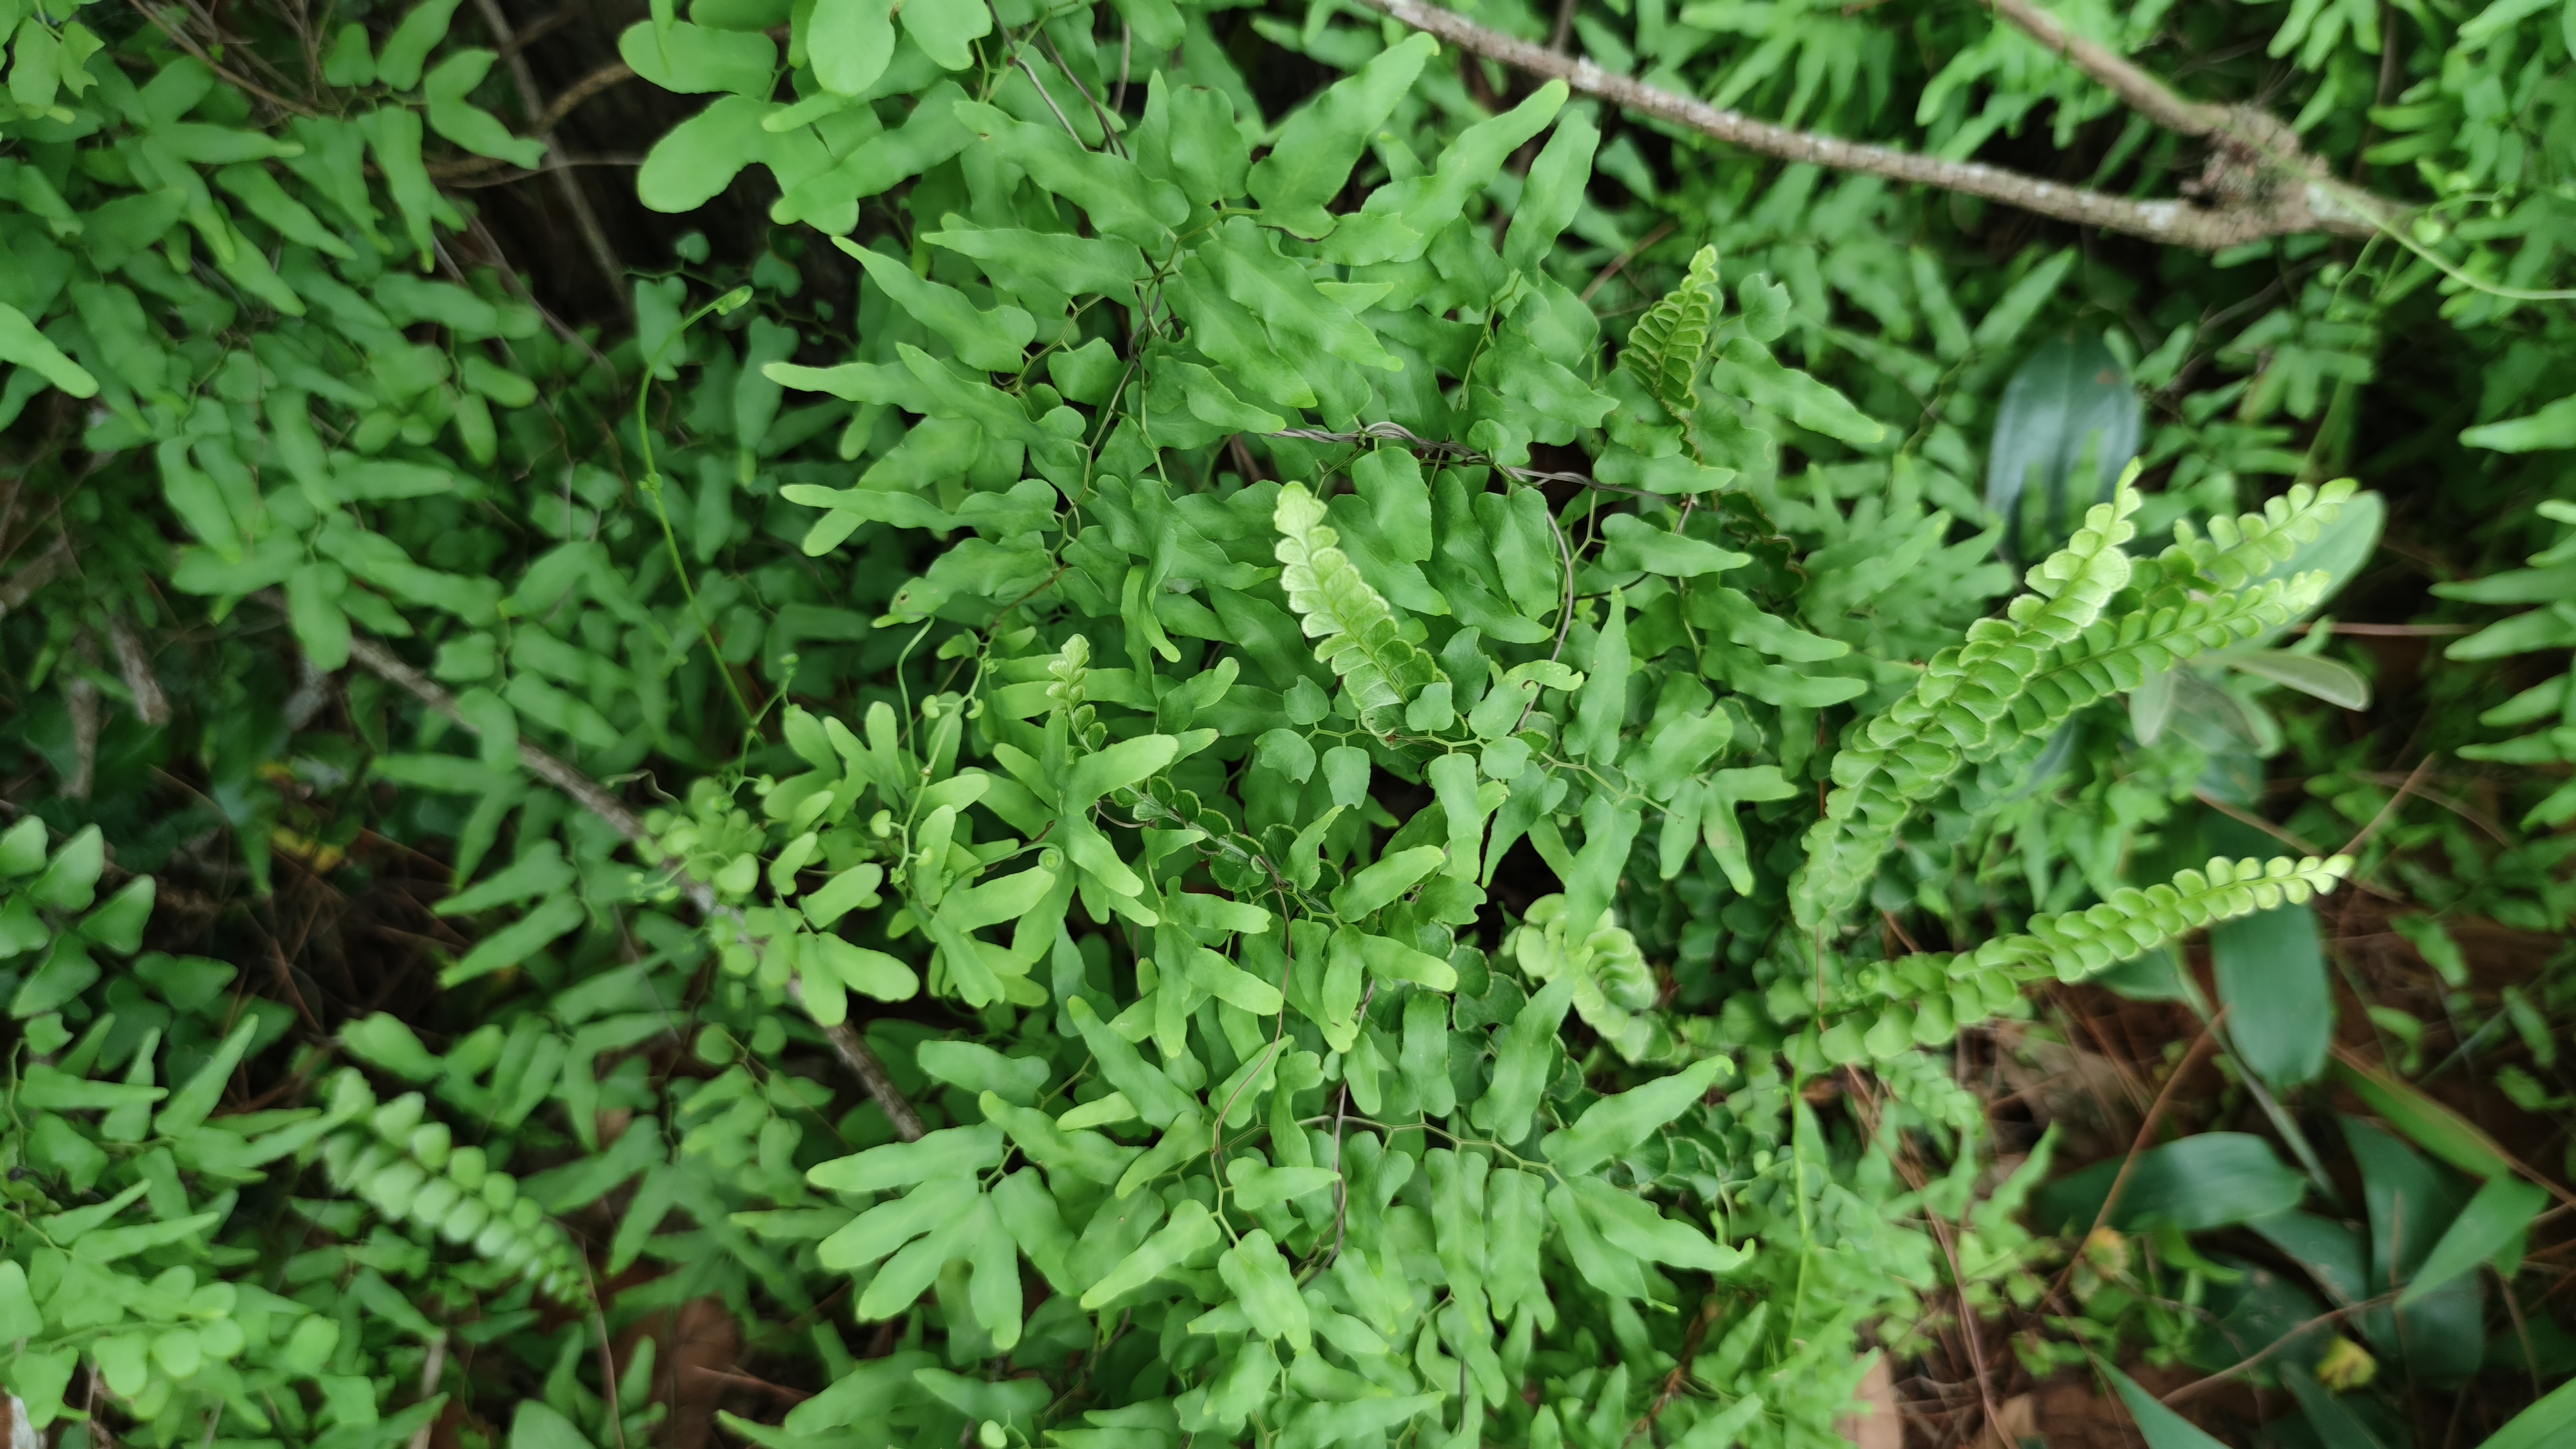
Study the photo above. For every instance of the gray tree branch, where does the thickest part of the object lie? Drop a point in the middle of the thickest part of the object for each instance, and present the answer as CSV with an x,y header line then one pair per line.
x,y
2141,92
2277,192
43,569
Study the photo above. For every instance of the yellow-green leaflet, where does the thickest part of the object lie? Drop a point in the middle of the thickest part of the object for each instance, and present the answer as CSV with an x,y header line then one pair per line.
x,y
1163,722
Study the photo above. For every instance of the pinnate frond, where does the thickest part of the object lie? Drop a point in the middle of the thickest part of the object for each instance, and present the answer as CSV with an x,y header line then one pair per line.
x,y
1669,342
1356,630
1889,1008
1906,754
2252,544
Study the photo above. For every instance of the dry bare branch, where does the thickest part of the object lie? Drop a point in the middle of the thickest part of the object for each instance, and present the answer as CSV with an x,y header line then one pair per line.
x,y
2269,188
585,220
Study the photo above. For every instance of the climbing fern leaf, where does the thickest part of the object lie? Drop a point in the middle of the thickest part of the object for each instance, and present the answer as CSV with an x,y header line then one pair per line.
x,y
1356,629
1669,342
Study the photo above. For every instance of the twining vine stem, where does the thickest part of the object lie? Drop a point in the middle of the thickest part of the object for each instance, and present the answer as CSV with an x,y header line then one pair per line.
x,y
1452,452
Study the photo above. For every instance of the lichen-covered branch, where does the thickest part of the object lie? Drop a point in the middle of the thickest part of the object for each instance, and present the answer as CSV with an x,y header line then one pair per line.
x,y
2284,196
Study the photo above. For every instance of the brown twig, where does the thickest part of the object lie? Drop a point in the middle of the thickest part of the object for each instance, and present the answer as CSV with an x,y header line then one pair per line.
x,y
2285,199
1019,55
1698,1334
2200,1050
584,220
208,61
135,667
1970,1331
608,1385
2136,89
1109,121
510,278
1620,263
561,16
1126,58
582,90
1243,459
294,993
432,1368
1898,927
2493,829
851,1047
2243,816
463,171
776,1391
1564,32
2248,1363
43,569
2412,778
80,702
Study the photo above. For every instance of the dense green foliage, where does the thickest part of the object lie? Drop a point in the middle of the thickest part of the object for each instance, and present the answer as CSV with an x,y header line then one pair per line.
x,y
1361,692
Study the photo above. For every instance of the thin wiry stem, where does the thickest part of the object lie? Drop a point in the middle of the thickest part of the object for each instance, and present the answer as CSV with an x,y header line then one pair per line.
x,y
1454,453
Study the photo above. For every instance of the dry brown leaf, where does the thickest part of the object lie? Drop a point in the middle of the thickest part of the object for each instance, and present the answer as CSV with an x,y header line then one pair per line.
x,y
1879,1427
2016,1419
697,1348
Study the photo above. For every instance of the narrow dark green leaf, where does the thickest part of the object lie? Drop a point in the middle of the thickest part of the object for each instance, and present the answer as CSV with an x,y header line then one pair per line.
x,y
2280,1002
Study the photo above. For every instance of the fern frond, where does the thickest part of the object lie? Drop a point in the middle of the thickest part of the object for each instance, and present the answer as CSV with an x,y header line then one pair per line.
x,y
2076,944
2196,599
1669,342
2253,544
407,1169
1887,1009
2116,656
1356,629
1068,686
1905,755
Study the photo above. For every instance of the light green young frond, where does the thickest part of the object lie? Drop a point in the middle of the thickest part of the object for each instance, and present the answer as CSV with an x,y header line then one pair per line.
x,y
2184,613
1669,342
2118,655
1356,630
1902,757
2190,607
1068,677
407,1168
1885,1010
2253,544
2076,944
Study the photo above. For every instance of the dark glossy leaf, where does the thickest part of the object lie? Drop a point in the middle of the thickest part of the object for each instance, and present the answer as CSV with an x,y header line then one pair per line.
x,y
2545,1425
2207,1181
2335,1419
2162,1427
2255,1315
2069,405
2425,1122
2332,1253
2280,1004
2412,1204
2492,1223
